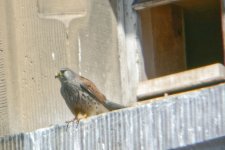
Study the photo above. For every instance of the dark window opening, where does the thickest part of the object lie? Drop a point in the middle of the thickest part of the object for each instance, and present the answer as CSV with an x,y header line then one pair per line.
x,y
181,35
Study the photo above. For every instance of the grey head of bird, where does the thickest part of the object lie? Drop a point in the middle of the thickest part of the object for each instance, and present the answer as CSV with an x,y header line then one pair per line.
x,y
66,74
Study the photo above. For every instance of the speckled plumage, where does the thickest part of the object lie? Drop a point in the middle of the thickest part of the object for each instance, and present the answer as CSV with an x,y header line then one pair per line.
x,y
82,96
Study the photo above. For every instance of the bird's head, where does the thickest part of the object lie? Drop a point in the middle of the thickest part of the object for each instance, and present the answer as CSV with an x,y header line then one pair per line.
x,y
65,74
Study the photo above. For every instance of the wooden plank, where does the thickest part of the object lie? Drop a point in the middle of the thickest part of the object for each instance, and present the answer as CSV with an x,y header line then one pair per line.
x,y
148,42
187,4
163,40
152,3
181,81
168,36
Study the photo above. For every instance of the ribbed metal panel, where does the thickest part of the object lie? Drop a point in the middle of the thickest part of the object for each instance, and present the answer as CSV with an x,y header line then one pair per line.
x,y
174,122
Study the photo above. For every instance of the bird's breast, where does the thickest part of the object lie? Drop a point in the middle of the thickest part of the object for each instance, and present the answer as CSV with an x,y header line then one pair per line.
x,y
80,101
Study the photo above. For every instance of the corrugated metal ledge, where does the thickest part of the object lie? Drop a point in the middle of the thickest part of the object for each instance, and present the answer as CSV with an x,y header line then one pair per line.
x,y
174,122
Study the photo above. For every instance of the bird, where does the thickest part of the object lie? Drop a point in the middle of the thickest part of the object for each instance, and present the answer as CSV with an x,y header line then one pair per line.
x,y
82,96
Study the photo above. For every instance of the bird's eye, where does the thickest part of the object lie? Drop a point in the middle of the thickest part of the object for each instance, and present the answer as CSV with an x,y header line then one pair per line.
x,y
62,71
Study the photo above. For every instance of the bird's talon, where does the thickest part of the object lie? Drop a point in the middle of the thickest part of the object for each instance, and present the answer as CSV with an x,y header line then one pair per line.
x,y
68,122
77,122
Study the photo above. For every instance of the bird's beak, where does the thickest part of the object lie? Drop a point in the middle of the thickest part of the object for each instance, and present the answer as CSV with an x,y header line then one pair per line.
x,y
58,75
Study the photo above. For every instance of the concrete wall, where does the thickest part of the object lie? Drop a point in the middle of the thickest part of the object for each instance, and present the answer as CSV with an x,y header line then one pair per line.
x,y
37,38
4,117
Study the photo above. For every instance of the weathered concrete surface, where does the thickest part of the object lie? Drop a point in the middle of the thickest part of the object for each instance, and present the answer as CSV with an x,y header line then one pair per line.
x,y
181,81
166,123
4,117
58,7
130,53
39,44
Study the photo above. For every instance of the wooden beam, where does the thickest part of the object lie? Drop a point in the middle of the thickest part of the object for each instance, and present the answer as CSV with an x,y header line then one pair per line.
x,y
181,81
151,3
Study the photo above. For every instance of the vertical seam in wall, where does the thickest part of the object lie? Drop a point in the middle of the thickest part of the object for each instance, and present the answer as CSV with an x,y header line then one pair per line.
x,y
121,47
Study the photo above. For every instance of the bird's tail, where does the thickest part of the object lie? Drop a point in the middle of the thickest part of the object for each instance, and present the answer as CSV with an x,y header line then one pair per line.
x,y
112,106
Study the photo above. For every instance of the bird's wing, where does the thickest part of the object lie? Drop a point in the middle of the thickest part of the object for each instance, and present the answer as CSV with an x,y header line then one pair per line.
x,y
91,89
